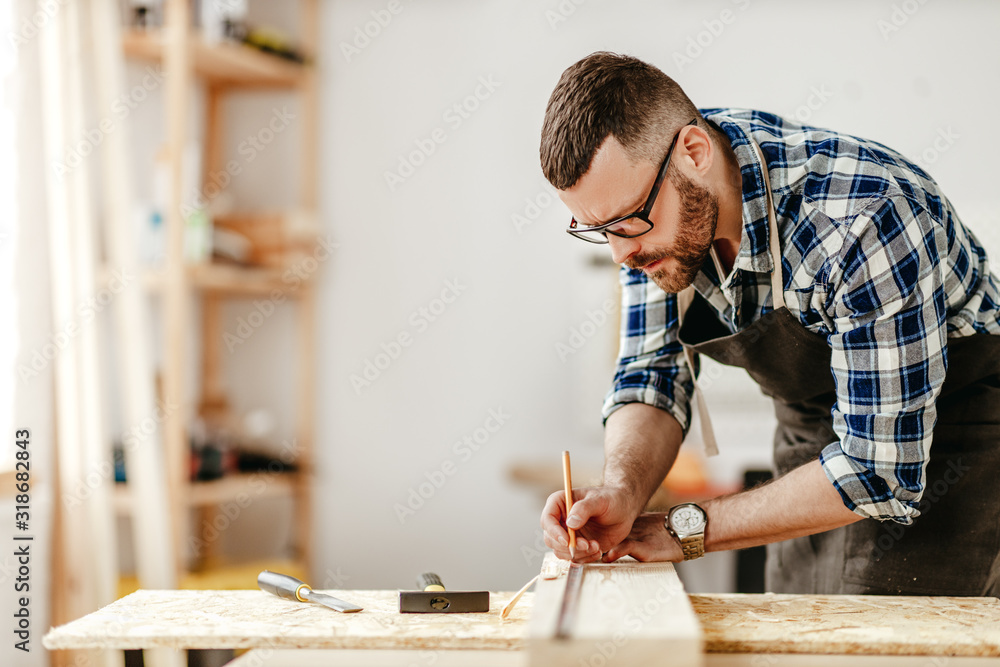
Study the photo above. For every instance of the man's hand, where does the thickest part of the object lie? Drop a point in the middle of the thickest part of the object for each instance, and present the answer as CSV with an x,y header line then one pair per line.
x,y
640,445
602,517
649,540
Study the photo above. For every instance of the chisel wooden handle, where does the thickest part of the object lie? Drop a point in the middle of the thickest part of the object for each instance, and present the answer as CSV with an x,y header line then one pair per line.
x,y
282,585
429,581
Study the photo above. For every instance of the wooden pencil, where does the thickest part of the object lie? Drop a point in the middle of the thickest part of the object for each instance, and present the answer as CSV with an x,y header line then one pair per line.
x,y
568,482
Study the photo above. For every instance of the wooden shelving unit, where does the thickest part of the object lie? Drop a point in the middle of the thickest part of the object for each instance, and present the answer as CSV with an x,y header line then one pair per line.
x,y
252,485
222,279
224,68
220,64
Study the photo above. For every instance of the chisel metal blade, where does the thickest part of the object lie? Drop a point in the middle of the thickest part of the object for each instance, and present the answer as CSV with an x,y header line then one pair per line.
x,y
331,602
290,588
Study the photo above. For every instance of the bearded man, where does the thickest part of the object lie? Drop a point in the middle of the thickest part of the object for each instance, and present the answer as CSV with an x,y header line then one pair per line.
x,y
834,271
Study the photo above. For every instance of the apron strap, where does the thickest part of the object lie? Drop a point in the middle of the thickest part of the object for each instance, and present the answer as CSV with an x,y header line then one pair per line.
x,y
686,296
707,432
777,284
684,299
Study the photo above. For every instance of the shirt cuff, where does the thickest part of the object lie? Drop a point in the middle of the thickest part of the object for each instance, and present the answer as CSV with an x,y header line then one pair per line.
x,y
862,490
679,407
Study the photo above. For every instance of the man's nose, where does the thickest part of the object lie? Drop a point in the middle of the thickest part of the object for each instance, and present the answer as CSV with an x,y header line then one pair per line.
x,y
621,248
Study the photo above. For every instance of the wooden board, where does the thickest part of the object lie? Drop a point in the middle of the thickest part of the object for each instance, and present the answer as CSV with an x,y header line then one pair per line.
x,y
254,619
629,613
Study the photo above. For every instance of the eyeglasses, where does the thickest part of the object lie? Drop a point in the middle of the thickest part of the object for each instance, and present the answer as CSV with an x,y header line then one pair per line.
x,y
631,225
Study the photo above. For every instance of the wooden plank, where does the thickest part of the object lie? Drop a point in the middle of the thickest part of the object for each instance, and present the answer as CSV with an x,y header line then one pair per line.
x,y
80,585
309,99
213,406
254,619
215,135
152,545
68,599
308,199
629,613
177,68
305,427
90,524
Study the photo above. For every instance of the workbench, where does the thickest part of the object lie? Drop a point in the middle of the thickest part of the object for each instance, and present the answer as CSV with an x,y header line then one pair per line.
x,y
758,630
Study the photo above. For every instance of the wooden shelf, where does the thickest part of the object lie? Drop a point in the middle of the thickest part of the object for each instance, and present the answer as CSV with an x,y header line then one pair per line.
x,y
224,279
223,64
254,485
228,577
231,279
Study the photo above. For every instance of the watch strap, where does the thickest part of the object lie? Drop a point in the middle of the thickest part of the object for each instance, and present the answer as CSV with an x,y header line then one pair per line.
x,y
693,546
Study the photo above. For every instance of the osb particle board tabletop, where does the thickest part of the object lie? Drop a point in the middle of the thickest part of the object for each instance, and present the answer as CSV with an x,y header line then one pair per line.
x,y
856,624
850,624
254,619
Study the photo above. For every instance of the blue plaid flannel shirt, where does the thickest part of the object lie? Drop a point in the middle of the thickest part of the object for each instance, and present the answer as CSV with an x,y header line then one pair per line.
x,y
874,258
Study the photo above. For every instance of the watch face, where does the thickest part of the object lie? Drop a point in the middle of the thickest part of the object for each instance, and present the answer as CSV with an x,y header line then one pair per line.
x,y
686,520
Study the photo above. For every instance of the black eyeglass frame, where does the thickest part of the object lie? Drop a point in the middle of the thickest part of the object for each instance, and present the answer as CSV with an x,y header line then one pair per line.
x,y
586,232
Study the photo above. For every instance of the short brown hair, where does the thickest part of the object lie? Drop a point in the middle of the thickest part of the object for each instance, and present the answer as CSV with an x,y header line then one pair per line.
x,y
609,94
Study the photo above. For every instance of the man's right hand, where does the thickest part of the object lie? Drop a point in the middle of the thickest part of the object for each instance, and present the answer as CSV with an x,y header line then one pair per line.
x,y
640,445
602,517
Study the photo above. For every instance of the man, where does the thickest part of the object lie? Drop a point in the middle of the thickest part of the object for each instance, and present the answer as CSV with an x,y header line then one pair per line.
x,y
862,305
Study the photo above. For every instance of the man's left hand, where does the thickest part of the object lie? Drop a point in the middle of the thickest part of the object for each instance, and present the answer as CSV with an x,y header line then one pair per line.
x,y
648,541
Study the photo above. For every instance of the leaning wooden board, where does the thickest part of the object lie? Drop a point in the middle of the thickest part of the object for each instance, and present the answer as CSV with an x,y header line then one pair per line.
x,y
627,613
763,624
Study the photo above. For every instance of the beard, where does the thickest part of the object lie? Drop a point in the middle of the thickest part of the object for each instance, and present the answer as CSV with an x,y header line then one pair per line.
x,y
699,214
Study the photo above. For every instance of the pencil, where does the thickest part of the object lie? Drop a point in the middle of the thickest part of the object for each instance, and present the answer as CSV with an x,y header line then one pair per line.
x,y
568,482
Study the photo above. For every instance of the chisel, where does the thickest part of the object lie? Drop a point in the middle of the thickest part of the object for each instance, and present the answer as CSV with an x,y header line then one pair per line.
x,y
291,588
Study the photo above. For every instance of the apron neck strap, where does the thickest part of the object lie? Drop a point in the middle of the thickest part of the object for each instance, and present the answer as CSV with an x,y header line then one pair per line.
x,y
777,283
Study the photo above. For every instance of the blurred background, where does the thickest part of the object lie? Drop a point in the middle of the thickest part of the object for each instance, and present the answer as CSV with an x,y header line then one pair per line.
x,y
284,286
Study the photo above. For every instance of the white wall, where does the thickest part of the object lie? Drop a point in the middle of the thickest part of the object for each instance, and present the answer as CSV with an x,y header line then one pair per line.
x,y
524,290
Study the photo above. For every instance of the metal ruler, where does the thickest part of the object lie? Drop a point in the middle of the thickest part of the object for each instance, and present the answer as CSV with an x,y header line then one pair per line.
x,y
570,601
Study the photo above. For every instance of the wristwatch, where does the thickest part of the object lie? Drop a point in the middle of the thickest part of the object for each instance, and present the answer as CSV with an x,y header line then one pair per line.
x,y
687,523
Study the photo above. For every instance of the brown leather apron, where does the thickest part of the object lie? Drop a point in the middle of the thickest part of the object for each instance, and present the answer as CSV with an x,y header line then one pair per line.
x,y
953,547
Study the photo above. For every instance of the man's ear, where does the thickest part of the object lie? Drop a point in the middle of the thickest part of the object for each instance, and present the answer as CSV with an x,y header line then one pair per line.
x,y
696,149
